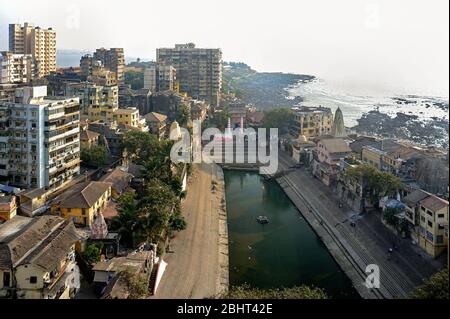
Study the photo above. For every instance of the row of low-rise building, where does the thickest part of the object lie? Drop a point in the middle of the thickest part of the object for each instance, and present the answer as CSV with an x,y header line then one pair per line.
x,y
324,145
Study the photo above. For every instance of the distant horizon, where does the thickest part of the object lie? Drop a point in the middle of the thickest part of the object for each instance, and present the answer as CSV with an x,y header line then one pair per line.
x,y
367,47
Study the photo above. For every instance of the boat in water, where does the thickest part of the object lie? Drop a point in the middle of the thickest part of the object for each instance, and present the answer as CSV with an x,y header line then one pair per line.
x,y
262,220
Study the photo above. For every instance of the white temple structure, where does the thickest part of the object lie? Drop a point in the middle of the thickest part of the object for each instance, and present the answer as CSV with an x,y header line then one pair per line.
x,y
338,129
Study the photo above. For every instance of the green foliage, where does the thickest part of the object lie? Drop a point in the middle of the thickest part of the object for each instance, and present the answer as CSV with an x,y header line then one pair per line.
x,y
156,210
435,287
96,155
183,115
139,146
389,216
278,118
177,222
137,285
127,222
376,184
263,89
299,292
92,253
135,79
219,119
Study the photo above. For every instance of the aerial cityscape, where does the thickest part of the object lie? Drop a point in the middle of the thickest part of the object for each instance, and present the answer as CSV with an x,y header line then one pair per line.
x,y
184,174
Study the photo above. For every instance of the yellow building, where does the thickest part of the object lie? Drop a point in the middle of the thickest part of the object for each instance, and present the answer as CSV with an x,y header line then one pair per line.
x,y
433,212
312,121
8,207
88,138
38,258
122,116
372,156
83,201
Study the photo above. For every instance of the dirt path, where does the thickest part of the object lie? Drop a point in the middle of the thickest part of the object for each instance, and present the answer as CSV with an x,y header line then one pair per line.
x,y
198,260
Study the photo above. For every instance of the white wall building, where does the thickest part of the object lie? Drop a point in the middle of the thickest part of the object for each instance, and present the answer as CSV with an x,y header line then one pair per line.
x,y
39,139
15,68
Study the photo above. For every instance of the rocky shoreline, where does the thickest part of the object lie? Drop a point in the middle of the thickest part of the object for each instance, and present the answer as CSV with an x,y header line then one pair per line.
x,y
433,132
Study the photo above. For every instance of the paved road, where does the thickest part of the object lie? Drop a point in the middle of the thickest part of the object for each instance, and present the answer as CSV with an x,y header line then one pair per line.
x,y
369,241
193,263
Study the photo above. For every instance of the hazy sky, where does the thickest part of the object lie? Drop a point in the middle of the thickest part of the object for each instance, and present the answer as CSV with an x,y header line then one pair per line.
x,y
370,46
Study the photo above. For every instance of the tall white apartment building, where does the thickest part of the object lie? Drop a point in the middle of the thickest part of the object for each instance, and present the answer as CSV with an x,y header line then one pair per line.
x,y
39,139
39,42
15,68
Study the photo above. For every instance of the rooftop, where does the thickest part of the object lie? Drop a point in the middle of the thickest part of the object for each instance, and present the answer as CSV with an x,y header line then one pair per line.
x,y
416,196
335,145
118,179
155,117
41,241
87,135
83,195
434,203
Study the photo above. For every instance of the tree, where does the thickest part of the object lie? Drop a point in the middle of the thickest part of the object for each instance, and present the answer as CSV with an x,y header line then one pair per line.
x,y
299,292
183,115
375,184
135,79
177,222
92,254
156,208
219,119
278,118
390,217
127,221
435,287
139,146
137,285
96,155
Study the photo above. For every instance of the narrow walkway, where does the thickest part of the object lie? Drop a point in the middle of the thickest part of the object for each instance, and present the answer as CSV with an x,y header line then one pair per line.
x,y
356,247
195,259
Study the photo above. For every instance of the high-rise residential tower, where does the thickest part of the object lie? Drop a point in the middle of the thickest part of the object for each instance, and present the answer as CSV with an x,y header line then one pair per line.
x,y
199,71
40,43
160,78
39,139
114,60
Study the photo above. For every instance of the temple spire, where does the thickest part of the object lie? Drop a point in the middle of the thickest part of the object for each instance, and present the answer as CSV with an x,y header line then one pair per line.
x,y
338,124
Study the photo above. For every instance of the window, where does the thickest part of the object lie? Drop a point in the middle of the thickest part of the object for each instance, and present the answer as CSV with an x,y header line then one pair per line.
x,y
440,216
430,224
6,279
439,239
33,280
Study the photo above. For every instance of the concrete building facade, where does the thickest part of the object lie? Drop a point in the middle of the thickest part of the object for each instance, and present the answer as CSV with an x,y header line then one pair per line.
x,y
160,78
92,95
114,60
39,42
312,121
16,68
39,139
198,71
